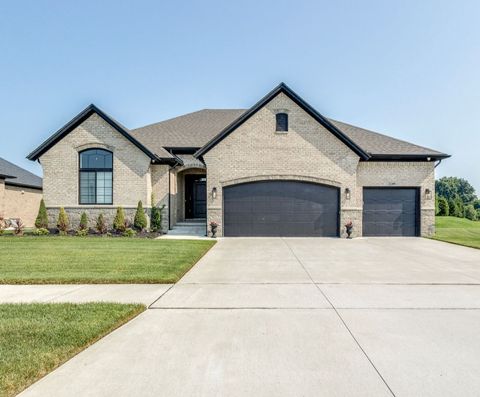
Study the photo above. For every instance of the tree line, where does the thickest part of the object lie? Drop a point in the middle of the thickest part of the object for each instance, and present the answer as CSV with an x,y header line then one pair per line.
x,y
456,197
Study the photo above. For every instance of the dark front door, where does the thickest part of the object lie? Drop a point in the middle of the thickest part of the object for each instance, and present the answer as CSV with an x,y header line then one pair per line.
x,y
280,208
195,196
390,212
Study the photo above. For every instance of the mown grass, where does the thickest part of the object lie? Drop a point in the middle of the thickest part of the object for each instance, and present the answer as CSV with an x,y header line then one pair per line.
x,y
457,230
48,260
36,338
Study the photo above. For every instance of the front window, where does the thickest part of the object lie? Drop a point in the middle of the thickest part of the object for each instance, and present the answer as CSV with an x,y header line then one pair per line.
x,y
96,166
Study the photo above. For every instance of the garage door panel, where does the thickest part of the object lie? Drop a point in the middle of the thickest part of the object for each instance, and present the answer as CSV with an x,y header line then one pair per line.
x,y
280,208
390,212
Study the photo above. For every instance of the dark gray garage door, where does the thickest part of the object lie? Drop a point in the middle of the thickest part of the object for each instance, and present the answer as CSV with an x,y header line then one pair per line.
x,y
390,212
280,208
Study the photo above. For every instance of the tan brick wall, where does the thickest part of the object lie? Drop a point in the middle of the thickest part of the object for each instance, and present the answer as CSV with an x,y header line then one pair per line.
x,y
21,202
131,167
160,180
255,151
307,152
2,197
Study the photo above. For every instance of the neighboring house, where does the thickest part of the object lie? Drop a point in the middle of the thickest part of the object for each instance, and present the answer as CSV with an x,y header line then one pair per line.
x,y
20,193
277,169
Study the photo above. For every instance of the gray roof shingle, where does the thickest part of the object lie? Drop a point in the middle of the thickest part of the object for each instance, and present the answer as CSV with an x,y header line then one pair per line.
x,y
21,177
197,128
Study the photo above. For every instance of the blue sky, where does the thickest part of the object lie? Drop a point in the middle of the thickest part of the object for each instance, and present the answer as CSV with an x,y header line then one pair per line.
x,y
410,69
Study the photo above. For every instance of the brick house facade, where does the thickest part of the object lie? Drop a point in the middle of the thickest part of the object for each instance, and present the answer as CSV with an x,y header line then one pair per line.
x,y
203,154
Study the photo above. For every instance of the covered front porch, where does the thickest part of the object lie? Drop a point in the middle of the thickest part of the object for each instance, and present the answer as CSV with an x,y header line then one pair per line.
x,y
188,198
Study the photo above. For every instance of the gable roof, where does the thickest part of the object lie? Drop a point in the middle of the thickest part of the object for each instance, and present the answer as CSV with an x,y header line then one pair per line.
x,y
18,176
161,156
191,130
283,88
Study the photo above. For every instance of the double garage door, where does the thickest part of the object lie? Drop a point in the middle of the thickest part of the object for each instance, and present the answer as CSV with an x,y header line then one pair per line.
x,y
301,209
280,208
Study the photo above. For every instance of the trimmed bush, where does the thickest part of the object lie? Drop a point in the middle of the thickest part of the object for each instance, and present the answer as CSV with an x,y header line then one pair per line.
x,y
129,232
3,225
62,222
443,208
81,232
470,212
41,232
119,221
42,218
83,222
140,221
101,224
156,217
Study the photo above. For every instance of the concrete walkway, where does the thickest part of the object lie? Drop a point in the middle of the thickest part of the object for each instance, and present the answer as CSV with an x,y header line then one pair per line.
x,y
122,293
298,317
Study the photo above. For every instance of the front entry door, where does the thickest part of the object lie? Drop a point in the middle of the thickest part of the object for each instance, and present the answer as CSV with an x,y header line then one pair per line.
x,y
195,196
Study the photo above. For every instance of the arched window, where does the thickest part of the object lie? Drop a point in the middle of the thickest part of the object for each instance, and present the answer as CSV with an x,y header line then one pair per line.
x,y
96,169
282,122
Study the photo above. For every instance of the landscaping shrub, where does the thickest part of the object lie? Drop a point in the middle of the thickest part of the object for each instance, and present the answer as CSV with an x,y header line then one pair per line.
x,y
140,221
101,224
470,212
41,232
119,223
62,222
129,232
3,225
156,217
443,208
83,222
42,218
81,232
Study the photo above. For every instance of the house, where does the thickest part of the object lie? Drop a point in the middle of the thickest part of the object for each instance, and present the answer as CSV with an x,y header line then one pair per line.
x,y
279,168
20,193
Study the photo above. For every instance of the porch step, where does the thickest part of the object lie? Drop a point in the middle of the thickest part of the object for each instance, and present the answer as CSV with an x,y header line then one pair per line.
x,y
188,229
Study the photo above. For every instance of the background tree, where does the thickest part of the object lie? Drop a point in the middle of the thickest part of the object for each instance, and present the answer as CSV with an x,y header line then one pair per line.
x,y
443,209
42,218
452,187
470,212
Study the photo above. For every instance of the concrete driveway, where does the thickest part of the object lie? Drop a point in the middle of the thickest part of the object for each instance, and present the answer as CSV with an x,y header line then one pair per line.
x,y
298,317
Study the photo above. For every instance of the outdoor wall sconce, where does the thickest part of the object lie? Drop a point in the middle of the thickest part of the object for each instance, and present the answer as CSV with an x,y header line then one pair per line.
x,y
428,194
347,193
214,193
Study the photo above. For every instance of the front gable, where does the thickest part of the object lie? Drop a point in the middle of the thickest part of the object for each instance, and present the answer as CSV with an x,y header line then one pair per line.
x,y
285,91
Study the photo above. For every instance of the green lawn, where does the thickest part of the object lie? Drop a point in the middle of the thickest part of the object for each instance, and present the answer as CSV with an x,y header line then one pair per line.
x,y
36,338
458,230
42,260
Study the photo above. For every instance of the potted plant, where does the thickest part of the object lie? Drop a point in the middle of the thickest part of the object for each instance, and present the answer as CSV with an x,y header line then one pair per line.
x,y
213,228
349,228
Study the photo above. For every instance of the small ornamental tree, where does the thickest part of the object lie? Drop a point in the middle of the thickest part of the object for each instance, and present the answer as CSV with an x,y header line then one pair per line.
x,y
62,222
101,224
156,217
83,221
140,221
42,219
443,209
119,221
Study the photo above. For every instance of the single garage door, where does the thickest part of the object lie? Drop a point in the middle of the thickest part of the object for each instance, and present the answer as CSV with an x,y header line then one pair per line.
x,y
280,208
390,212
